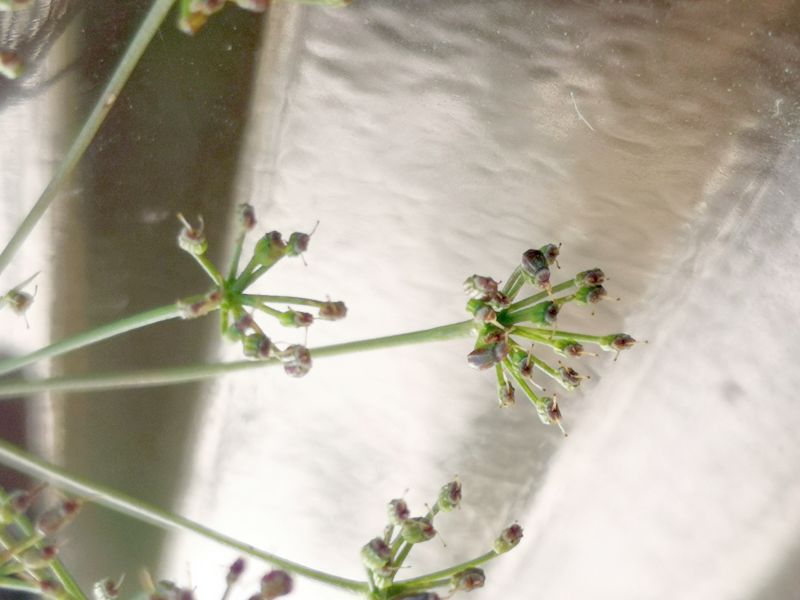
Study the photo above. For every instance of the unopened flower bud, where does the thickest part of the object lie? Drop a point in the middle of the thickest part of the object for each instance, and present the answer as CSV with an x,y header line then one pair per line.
x,y
468,580
192,239
52,590
201,308
477,286
508,538
107,589
544,313
235,571
20,501
332,311
497,300
417,529
269,248
590,294
257,345
246,217
549,412
505,395
275,584
590,277
551,252
449,496
535,266
398,511
19,301
376,554
296,360
570,376
11,65
617,341
569,348
55,519
296,318
487,356
39,558
298,243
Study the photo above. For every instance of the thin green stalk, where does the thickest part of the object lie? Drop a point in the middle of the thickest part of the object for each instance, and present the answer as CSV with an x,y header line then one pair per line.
x,y
541,296
104,332
438,578
130,59
57,567
210,269
237,255
546,335
18,585
36,468
199,372
253,299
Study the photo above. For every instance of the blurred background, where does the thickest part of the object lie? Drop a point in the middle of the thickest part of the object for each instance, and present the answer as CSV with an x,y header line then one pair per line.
x,y
657,140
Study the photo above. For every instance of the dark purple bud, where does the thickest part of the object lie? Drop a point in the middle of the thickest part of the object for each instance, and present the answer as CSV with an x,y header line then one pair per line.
x,y
535,266
19,301
296,360
296,318
269,248
468,580
487,356
417,529
376,554
477,286
590,277
298,243
55,519
590,295
508,538
257,345
551,252
449,496
275,584
497,300
544,313
570,376
617,342
332,311
569,348
505,395
202,307
235,571
549,412
246,217
192,239
398,511
53,590
107,589
39,558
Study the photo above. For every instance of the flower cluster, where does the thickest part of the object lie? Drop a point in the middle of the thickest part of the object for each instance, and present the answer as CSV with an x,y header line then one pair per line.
x,y
238,309
29,552
17,299
383,556
193,14
500,322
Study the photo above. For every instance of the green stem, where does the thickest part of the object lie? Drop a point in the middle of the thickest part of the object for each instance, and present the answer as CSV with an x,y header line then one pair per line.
x,y
130,59
18,585
258,299
237,255
435,579
163,313
544,335
540,296
36,468
199,372
57,567
210,269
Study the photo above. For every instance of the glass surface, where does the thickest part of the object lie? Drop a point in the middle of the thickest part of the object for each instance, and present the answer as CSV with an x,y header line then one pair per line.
x,y
432,141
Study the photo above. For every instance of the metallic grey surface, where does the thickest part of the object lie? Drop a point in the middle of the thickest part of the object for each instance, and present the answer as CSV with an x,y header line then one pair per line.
x,y
437,140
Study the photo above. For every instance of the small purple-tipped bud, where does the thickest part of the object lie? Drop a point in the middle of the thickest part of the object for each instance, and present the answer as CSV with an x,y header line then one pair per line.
x,y
235,571
477,286
332,311
508,538
296,360
590,277
376,554
275,584
20,501
296,318
535,266
505,395
497,300
56,519
570,376
549,412
246,217
617,342
551,252
468,580
39,558
19,301
543,313
298,243
53,590
192,239
487,356
269,248
569,348
590,295
449,496
417,530
11,65
201,308
397,511
525,365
